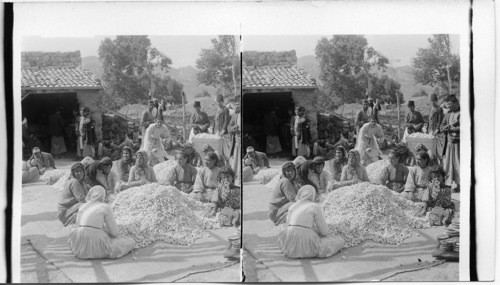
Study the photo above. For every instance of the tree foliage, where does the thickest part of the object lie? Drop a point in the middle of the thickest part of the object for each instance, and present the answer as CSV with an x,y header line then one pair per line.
x,y
437,65
346,64
420,93
128,63
220,65
386,89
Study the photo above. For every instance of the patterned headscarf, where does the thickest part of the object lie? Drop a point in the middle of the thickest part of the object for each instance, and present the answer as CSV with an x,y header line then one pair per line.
x,y
75,167
356,155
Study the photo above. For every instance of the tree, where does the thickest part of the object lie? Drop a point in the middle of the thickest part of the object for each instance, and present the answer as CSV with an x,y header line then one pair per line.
x,y
386,89
128,63
202,94
346,64
437,65
220,65
168,89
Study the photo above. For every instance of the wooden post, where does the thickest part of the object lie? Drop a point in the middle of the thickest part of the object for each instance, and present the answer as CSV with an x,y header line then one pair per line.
x,y
183,118
399,123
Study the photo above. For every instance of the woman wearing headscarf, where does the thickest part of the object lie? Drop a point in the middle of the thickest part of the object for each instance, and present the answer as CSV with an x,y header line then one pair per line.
x,y
283,194
73,195
97,235
207,179
337,163
227,198
303,172
306,233
152,141
433,158
353,172
318,175
367,144
183,175
99,173
193,157
141,173
125,163
418,178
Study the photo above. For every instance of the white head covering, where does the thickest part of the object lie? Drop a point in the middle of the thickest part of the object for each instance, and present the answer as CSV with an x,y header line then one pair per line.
x,y
299,160
25,121
306,193
96,193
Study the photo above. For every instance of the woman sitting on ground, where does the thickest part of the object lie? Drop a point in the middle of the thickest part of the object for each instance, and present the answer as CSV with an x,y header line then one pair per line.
x,y
193,157
183,175
313,173
353,172
98,235
73,195
30,174
418,178
306,233
227,198
337,163
206,179
99,173
141,173
433,159
124,165
395,174
437,198
283,194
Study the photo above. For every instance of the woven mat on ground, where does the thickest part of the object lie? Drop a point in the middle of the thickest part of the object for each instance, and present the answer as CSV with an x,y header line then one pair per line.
x,y
365,262
152,264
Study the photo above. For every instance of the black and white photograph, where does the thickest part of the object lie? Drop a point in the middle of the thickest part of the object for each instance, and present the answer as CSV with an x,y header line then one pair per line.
x,y
351,168
130,165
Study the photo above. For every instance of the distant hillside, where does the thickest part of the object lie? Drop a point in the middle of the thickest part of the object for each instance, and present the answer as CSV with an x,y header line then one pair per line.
x,y
185,75
92,64
309,64
402,74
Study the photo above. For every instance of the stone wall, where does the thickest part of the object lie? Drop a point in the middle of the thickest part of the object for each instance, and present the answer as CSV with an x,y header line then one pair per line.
x,y
46,59
92,99
307,99
269,58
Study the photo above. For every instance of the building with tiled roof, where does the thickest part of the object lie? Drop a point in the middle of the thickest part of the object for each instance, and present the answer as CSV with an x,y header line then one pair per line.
x,y
73,77
273,81
55,80
291,77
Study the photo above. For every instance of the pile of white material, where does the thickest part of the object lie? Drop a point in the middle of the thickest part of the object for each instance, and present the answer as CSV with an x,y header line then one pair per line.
x,y
154,212
266,175
59,185
272,184
370,212
206,136
376,171
51,176
421,136
163,169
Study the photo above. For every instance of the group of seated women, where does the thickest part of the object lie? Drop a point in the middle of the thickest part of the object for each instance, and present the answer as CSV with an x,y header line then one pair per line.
x,y
294,199
84,201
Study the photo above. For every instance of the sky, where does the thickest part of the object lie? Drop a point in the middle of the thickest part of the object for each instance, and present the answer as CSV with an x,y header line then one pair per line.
x,y
398,48
184,50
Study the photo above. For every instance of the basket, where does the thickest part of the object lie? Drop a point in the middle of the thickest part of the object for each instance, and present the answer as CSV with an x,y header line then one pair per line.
x,y
429,143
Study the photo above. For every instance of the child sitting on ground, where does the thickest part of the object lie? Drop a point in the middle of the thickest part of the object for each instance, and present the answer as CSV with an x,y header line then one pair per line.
x,y
437,198
227,198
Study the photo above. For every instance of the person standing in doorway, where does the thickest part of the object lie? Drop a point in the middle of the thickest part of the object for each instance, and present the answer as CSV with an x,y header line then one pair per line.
x,y
56,131
273,144
301,134
87,139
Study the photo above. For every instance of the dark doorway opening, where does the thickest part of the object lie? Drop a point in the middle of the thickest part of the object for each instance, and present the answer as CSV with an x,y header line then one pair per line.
x,y
256,106
37,108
